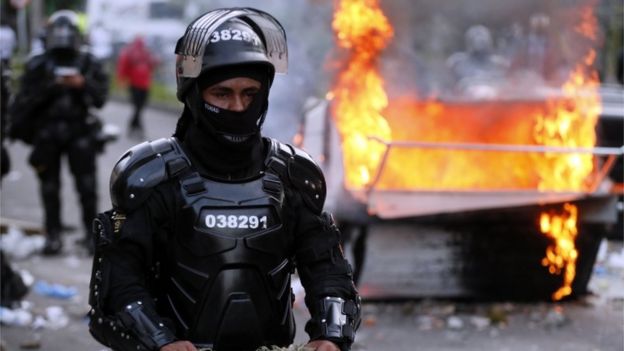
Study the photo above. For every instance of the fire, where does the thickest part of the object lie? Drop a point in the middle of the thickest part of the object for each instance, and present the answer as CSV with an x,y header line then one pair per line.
x,y
359,96
561,256
367,119
571,123
365,115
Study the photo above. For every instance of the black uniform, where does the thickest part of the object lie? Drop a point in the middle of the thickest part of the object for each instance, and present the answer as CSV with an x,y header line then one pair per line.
x,y
5,164
211,259
208,226
55,120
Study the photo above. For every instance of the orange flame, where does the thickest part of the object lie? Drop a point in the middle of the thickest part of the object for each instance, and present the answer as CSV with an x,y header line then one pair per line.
x,y
572,126
571,123
562,255
588,25
361,110
359,96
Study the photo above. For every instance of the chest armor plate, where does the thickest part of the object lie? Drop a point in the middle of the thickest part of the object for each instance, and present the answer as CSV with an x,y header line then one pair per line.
x,y
229,282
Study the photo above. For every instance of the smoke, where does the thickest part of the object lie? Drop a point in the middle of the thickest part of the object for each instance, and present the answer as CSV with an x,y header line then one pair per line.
x,y
428,32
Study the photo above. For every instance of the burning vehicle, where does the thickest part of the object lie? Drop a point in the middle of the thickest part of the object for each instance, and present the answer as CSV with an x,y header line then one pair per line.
x,y
502,197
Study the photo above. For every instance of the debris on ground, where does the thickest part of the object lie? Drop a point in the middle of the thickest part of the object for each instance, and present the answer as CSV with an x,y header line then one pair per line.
x,y
555,318
32,344
290,348
17,317
57,291
19,246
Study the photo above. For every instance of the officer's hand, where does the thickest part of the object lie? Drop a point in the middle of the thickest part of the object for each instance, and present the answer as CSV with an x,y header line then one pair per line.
x,y
322,345
73,81
181,345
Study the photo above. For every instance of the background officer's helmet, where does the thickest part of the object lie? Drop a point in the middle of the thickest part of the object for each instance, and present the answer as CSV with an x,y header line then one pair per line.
x,y
479,40
62,31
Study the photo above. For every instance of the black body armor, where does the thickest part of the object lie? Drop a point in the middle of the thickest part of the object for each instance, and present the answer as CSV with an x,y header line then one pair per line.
x,y
223,277
231,263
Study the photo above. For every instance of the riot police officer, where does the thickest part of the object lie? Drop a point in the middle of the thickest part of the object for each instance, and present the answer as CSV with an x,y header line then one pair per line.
x,y
207,226
51,112
477,72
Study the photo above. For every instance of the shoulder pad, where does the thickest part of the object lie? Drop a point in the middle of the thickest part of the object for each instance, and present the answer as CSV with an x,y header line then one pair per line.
x,y
302,172
89,57
142,168
36,61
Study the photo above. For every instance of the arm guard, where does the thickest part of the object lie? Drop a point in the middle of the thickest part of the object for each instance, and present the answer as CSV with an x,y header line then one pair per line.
x,y
134,328
145,326
338,320
142,168
331,297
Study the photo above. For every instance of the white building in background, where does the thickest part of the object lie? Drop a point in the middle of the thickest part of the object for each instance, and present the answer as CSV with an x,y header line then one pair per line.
x,y
125,19
160,22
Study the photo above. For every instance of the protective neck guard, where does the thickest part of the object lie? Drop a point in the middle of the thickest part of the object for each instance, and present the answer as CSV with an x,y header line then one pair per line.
x,y
216,160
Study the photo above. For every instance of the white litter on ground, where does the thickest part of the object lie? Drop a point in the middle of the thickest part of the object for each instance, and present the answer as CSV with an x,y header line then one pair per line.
x,y
18,246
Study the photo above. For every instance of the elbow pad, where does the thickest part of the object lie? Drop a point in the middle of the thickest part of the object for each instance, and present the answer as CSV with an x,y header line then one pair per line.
x,y
136,328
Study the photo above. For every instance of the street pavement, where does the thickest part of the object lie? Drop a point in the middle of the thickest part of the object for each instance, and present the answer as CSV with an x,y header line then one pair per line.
x,y
595,322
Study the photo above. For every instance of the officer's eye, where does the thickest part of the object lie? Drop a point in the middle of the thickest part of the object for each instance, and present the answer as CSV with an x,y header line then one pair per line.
x,y
251,93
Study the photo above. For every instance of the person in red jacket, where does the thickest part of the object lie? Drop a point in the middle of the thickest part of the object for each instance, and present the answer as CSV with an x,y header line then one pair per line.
x,y
134,69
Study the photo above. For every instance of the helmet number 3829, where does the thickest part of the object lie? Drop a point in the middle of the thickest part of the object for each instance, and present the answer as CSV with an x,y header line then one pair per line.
x,y
234,34
232,221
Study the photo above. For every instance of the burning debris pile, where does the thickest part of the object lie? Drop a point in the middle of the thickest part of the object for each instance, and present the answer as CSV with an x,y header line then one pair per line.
x,y
369,122
540,143
562,254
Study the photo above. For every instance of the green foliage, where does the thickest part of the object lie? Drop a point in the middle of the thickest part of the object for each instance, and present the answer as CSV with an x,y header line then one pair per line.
x,y
17,69
160,94
55,5
163,94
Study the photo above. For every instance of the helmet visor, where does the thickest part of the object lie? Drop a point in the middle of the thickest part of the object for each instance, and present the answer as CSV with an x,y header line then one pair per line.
x,y
199,33
62,37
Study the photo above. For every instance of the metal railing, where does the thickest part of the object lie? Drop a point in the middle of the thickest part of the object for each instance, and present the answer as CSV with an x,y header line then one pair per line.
x,y
611,154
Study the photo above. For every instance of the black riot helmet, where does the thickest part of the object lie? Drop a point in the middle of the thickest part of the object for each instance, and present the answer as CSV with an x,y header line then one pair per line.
x,y
203,47
62,31
227,43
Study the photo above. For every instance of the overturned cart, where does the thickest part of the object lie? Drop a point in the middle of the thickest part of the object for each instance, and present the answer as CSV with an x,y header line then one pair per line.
x,y
420,226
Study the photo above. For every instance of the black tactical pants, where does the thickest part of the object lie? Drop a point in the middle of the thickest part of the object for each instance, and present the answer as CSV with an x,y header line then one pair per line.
x,y
81,155
139,99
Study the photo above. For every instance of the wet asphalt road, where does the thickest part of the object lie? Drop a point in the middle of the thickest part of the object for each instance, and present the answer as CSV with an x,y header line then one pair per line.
x,y
593,323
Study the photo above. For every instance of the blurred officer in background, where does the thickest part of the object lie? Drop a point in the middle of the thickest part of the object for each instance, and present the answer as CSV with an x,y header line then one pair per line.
x,y
134,68
208,226
7,47
51,112
477,71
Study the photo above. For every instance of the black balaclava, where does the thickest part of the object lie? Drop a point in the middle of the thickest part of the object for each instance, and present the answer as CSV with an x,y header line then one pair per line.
x,y
223,143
